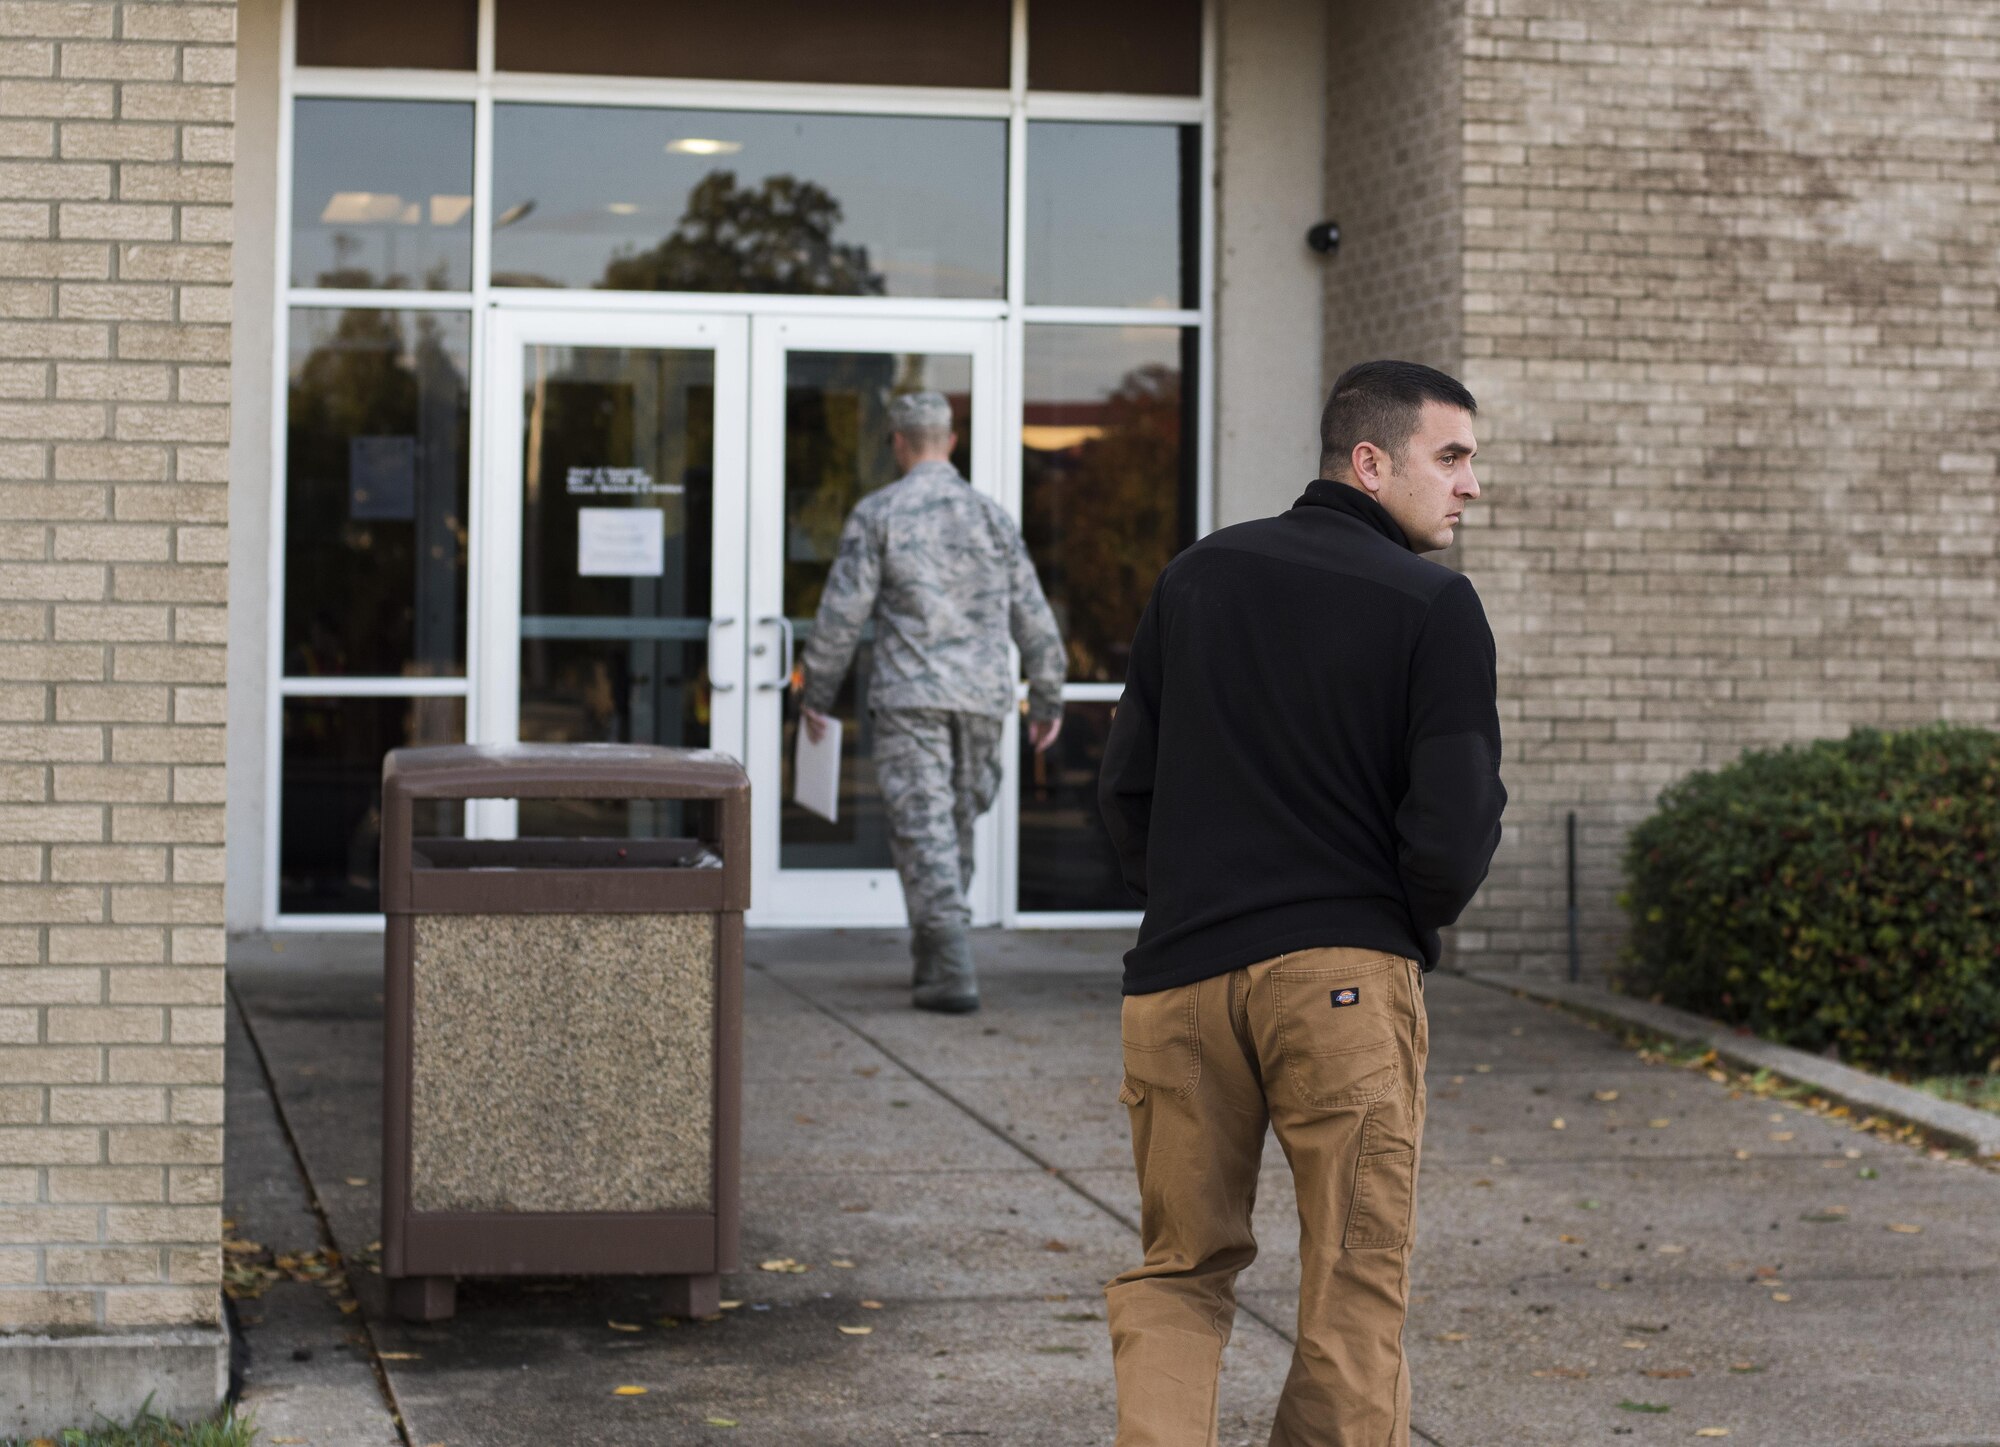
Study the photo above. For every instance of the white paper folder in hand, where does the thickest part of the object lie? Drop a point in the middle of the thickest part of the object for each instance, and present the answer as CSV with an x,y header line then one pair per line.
x,y
816,779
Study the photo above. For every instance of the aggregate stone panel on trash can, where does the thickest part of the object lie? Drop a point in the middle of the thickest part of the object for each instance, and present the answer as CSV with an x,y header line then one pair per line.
x,y
562,1018
563,1063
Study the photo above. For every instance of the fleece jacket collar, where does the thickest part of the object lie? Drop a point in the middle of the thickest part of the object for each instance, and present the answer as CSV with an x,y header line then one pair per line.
x,y
1355,503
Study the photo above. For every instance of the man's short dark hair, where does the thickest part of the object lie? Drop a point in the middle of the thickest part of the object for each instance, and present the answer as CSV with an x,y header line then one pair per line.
x,y
1382,403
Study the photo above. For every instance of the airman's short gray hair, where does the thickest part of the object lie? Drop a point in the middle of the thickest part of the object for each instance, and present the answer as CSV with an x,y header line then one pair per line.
x,y
922,417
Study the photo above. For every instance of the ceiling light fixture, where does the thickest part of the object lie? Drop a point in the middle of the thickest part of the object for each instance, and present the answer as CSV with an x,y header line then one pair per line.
x,y
702,146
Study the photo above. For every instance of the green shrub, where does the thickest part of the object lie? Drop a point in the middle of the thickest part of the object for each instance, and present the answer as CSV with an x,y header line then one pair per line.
x,y
1844,894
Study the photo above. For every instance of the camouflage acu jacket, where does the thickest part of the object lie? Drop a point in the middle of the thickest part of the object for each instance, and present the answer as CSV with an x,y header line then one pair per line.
x,y
943,572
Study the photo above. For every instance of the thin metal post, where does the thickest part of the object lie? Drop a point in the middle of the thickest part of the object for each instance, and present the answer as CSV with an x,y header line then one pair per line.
x,y
1575,953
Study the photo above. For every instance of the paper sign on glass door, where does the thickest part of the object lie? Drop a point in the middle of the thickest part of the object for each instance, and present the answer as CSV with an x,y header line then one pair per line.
x,y
621,542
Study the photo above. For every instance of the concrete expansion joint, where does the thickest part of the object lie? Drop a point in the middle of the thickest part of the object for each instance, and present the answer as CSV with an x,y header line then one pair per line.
x,y
323,1224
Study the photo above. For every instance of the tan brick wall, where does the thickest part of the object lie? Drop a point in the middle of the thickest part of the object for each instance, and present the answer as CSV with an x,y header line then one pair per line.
x,y
1393,182
115,146
1730,290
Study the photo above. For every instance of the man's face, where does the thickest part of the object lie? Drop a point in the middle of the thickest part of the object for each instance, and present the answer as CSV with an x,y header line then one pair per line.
x,y
1427,488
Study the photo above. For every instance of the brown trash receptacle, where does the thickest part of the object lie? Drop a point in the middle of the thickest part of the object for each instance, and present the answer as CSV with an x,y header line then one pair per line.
x,y
562,1051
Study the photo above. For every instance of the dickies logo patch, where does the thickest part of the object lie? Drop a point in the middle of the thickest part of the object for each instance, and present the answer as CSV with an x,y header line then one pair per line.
x,y
1348,996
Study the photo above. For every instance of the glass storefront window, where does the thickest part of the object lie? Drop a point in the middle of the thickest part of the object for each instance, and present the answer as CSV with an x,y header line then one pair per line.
x,y
857,42
836,453
617,525
436,35
1107,477
382,194
1067,862
376,481
330,807
1113,218
1130,47
746,201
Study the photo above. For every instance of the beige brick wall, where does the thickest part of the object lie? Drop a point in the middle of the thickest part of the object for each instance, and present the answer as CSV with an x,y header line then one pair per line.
x,y
115,144
1393,182
1730,305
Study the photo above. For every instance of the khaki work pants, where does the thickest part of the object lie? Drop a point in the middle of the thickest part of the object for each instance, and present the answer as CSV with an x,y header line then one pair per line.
x,y
1329,1047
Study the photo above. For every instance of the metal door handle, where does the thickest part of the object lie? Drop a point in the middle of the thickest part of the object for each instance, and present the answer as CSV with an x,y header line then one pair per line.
x,y
713,685
784,678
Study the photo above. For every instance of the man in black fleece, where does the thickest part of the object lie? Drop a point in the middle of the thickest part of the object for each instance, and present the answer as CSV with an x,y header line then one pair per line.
x,y
1302,781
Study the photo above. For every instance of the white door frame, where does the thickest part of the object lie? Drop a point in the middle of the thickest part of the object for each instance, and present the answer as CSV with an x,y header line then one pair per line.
x,y
494,716
836,897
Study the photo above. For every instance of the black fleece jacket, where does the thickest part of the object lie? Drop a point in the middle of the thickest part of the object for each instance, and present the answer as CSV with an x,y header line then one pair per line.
x,y
1308,752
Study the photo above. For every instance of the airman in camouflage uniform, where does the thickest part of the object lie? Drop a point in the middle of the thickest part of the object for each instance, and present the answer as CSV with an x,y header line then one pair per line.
x,y
945,576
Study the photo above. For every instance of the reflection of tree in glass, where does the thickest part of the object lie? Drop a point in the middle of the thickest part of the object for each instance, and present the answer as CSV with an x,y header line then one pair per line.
x,y
775,238
1103,516
375,595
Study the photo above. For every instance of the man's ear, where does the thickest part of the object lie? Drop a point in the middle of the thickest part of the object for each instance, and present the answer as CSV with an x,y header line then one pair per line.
x,y
1370,464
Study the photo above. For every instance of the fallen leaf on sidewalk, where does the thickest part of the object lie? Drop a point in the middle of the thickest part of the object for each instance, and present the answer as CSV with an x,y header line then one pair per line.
x,y
1661,1123
1713,1432
720,1421
1852,1154
1576,1374
1482,1181
1483,1069
783,1264
1628,1405
1668,1374
1743,1368
1558,1124
356,1180
1869,1173
1836,1215
1780,1296
628,1391
1903,1228
1783,1135
867,1072
856,1330
624,1326
1453,1336
803,1120
1670,1250
1633,1346
1569,1240
402,1356
871,1306
841,1263
1743,1155
1054,1245
729,1305
1604,1095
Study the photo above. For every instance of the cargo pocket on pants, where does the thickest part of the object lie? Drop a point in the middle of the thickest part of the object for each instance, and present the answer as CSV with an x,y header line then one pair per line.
x,y
1385,1193
1160,1046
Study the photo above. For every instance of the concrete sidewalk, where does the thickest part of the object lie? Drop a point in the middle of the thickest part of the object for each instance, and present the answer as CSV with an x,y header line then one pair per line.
x,y
1722,1257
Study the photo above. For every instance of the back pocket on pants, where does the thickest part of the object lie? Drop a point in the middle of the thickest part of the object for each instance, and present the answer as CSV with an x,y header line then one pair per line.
x,y
1385,1194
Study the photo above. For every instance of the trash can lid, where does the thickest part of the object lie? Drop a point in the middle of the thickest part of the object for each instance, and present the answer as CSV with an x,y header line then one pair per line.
x,y
561,771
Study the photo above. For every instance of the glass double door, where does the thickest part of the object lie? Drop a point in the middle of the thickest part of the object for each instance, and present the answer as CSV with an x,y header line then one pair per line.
x,y
661,502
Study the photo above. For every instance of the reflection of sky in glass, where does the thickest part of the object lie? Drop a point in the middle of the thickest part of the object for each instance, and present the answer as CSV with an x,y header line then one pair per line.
x,y
1069,372
1104,214
382,194
925,196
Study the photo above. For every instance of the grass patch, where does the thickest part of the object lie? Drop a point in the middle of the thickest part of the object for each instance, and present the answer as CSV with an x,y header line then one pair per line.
x,y
149,1430
1980,1091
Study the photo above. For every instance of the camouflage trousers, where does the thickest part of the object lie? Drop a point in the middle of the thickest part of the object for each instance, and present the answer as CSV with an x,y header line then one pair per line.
x,y
938,771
